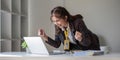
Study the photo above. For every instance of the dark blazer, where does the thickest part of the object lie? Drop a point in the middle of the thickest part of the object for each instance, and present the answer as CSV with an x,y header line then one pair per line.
x,y
89,40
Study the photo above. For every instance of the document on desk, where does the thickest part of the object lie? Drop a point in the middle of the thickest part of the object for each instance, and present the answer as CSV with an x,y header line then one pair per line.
x,y
87,53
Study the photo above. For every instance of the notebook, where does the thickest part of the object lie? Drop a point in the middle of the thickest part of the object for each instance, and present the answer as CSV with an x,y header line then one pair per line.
x,y
37,46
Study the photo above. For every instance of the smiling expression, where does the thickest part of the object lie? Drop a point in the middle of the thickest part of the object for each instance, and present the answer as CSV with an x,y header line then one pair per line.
x,y
60,22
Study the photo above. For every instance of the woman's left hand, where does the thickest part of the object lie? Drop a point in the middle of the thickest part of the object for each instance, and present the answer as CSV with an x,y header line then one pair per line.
x,y
78,36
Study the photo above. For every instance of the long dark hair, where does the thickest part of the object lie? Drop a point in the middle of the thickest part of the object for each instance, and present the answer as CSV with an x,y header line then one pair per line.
x,y
61,12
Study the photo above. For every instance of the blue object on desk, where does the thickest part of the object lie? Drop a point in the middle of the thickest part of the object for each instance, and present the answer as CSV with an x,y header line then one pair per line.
x,y
87,53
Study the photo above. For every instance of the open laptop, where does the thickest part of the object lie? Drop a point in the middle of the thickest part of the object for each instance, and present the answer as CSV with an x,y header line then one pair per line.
x,y
37,46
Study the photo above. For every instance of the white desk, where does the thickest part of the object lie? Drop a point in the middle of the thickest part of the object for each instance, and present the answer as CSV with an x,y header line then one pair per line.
x,y
25,56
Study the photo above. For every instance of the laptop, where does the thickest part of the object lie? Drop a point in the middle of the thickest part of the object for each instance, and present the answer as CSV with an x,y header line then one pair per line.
x,y
37,46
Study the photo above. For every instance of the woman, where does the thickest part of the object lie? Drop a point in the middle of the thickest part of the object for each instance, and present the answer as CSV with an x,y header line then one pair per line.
x,y
78,35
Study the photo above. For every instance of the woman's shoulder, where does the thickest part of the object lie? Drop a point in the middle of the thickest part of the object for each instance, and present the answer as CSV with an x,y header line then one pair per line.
x,y
77,16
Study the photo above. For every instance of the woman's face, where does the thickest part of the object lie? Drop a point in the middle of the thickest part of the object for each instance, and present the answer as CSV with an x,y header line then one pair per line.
x,y
59,21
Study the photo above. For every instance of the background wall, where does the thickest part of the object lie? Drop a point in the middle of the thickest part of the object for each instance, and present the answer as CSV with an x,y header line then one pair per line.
x,y
101,17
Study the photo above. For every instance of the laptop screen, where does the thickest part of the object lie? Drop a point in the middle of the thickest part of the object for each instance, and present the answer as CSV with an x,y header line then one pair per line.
x,y
36,45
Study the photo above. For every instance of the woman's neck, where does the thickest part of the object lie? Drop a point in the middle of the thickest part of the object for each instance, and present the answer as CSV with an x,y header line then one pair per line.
x,y
66,25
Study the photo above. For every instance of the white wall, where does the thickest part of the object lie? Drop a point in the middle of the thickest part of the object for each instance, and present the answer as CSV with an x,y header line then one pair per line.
x,y
101,16
39,15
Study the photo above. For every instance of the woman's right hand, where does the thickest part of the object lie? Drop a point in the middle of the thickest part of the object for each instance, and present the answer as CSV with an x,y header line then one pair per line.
x,y
42,34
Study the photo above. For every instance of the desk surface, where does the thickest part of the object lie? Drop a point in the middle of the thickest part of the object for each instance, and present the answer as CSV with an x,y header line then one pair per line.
x,y
26,56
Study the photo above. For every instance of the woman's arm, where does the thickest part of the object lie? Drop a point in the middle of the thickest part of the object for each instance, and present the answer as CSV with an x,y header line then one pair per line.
x,y
55,43
84,33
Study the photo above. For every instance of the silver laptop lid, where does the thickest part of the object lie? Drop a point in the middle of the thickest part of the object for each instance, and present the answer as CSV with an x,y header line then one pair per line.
x,y
36,45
